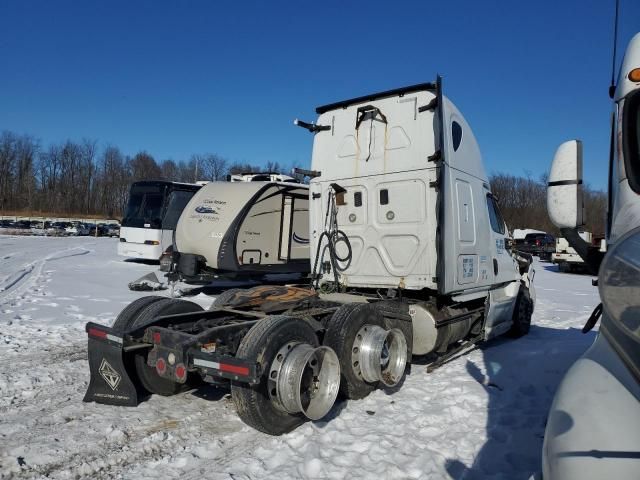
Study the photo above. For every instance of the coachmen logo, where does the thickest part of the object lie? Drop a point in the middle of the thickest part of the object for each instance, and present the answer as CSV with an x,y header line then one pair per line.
x,y
205,209
109,374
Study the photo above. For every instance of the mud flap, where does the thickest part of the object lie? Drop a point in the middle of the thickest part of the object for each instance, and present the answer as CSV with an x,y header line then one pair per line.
x,y
110,382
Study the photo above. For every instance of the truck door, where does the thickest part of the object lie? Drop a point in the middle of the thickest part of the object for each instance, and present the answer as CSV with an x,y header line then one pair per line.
x,y
502,266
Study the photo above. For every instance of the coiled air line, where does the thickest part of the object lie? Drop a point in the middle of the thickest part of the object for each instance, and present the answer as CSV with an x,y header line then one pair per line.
x,y
333,236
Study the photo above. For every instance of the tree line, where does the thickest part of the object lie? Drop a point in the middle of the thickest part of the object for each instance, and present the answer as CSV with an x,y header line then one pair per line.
x,y
76,178
523,204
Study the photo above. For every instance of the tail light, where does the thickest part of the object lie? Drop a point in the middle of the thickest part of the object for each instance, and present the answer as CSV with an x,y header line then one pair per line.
x,y
161,366
181,372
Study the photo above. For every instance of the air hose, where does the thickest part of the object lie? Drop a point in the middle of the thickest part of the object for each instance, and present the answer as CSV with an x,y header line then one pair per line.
x,y
327,243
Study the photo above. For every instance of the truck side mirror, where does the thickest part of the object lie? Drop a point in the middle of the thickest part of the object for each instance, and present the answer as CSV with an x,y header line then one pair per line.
x,y
564,191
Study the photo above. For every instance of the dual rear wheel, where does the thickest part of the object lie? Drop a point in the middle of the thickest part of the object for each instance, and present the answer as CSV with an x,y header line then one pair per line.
x,y
301,379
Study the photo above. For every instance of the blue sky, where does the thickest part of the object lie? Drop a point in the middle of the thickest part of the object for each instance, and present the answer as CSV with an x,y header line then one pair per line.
x,y
176,78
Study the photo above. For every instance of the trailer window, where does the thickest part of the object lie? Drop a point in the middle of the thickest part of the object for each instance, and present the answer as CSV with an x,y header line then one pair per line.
x,y
456,135
497,223
631,140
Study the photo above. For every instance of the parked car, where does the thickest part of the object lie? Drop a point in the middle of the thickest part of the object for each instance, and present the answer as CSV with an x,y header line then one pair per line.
x,y
57,229
36,227
540,245
102,230
113,230
22,224
77,229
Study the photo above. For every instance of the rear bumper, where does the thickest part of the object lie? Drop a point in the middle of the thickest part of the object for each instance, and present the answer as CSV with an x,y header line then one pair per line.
x,y
566,258
139,250
113,377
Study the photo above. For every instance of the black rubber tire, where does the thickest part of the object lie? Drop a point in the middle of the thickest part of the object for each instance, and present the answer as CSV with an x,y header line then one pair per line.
x,y
340,335
148,376
127,316
522,312
222,299
260,345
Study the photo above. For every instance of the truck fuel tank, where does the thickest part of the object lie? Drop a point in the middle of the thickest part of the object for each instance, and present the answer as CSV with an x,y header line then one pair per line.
x,y
435,329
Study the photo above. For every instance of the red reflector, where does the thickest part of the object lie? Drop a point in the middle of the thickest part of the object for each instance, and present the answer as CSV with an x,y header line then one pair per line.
x,y
181,372
94,332
161,366
225,367
156,337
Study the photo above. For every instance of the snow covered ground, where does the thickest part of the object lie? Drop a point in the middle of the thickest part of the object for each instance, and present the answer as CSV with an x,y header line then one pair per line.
x,y
480,416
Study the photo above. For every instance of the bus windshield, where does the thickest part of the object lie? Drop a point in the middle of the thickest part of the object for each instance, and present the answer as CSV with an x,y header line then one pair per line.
x,y
177,201
144,209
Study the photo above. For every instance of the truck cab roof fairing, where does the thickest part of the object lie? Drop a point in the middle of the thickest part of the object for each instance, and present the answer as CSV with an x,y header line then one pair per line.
x,y
376,96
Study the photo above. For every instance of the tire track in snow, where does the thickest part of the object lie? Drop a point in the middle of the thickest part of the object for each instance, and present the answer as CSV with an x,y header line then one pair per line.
x,y
19,282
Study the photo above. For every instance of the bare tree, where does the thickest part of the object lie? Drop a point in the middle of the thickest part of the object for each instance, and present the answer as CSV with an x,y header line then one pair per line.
x,y
144,167
169,170
213,167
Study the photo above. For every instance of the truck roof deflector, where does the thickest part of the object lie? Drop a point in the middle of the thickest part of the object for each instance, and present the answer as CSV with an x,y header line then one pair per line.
x,y
375,96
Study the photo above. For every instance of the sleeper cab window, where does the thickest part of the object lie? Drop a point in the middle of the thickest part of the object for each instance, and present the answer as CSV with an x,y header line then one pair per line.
x,y
497,223
456,135
357,199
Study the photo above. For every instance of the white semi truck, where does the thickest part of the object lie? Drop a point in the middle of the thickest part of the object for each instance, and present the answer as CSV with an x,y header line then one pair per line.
x,y
566,256
409,257
593,429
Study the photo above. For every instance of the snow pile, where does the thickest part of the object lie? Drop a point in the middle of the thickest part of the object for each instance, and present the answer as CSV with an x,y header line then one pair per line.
x,y
480,416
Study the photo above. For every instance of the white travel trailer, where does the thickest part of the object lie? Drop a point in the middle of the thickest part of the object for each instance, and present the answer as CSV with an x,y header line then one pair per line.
x,y
249,228
593,429
409,257
261,177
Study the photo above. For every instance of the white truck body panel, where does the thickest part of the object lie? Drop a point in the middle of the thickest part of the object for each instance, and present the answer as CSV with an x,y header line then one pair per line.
x,y
593,430
391,206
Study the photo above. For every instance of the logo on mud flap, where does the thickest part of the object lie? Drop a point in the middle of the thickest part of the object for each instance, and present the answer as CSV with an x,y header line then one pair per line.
x,y
109,374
